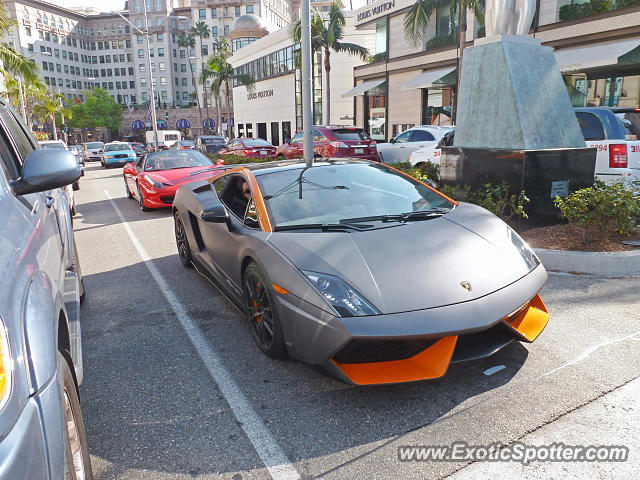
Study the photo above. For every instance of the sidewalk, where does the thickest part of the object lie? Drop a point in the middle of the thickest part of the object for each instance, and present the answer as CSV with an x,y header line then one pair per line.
x,y
613,419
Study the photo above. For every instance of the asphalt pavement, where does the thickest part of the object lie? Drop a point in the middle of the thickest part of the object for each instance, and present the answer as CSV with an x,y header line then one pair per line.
x,y
175,388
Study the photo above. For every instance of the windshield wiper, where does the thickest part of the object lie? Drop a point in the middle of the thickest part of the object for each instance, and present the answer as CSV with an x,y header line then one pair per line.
x,y
398,217
325,227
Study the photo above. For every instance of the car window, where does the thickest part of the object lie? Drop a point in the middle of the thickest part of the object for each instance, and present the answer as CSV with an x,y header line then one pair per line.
x,y
24,144
591,126
230,190
172,159
95,145
350,134
251,217
236,143
116,148
421,136
403,137
297,138
318,137
256,142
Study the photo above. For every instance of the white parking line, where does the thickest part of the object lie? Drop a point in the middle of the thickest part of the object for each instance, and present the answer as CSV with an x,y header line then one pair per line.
x,y
270,452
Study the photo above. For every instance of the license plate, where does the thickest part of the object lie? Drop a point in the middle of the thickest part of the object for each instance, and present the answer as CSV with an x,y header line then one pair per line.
x,y
263,152
358,150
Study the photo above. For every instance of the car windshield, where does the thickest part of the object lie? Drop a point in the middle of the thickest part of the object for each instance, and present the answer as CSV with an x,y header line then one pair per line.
x,y
350,134
187,142
116,148
52,145
334,192
170,159
255,142
95,145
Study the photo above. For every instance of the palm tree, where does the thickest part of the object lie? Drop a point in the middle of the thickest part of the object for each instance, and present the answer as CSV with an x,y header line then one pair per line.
x,y
188,41
201,29
51,107
10,60
221,73
221,47
33,92
419,15
326,36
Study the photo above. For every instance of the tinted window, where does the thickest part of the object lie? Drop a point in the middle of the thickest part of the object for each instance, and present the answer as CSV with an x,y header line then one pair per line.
x,y
170,159
94,145
255,142
52,145
331,193
350,134
230,191
297,138
403,137
24,143
421,136
116,148
591,126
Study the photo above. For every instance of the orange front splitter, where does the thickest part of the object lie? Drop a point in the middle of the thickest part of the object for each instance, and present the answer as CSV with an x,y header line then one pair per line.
x,y
428,364
530,323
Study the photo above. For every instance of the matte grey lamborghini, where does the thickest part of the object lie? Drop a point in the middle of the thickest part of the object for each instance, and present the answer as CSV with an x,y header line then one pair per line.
x,y
359,268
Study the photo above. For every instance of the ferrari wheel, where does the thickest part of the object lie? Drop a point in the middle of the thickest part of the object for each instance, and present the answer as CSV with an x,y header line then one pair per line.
x,y
265,325
184,251
143,207
126,187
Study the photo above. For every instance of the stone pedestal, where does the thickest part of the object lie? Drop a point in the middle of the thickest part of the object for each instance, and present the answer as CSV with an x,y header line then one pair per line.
x,y
512,96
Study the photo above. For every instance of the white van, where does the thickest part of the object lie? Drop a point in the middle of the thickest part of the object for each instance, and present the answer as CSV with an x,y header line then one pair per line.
x,y
168,137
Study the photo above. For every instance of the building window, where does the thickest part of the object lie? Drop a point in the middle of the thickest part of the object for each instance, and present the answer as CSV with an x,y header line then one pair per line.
x,y
140,54
214,13
151,52
183,67
162,66
161,52
375,112
202,14
237,11
160,37
184,82
226,30
28,30
249,8
205,50
143,82
183,54
163,94
226,11
163,81
214,31
137,6
158,5
138,39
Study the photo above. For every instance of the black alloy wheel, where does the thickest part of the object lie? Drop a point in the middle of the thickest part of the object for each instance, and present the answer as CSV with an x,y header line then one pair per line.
x,y
265,325
184,251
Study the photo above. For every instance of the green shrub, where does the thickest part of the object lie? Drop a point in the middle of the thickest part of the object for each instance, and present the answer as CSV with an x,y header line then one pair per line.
x,y
427,170
236,159
598,211
495,198
571,11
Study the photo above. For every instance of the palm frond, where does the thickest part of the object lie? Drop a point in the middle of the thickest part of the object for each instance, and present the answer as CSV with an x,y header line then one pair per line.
x,y
352,49
17,64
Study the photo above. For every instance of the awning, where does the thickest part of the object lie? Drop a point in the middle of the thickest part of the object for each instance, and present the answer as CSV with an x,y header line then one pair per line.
x,y
614,53
432,78
183,123
363,87
209,123
161,125
137,125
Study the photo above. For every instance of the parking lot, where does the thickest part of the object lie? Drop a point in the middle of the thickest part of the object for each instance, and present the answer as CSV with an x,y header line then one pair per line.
x,y
175,387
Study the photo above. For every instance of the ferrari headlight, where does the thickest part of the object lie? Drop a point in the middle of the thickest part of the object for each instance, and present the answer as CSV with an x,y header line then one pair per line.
x,y
346,301
5,366
527,254
153,181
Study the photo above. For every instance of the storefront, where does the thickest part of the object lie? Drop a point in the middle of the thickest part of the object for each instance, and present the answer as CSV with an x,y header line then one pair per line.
x,y
272,109
411,84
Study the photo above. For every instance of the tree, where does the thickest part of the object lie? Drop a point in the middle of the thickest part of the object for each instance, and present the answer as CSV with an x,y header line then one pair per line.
x,y
220,47
33,93
10,60
188,41
50,108
97,110
201,29
326,36
419,15
221,73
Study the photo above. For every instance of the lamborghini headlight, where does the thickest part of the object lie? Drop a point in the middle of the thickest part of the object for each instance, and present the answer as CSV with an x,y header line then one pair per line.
x,y
527,254
346,301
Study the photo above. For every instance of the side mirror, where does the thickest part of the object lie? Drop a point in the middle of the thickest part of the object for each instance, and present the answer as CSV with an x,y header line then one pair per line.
x,y
392,140
215,214
101,151
45,170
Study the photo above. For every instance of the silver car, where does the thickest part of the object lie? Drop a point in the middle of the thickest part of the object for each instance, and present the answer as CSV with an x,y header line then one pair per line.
x,y
93,151
41,429
399,148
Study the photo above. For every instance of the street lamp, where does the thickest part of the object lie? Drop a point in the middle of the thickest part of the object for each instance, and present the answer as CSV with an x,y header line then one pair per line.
x,y
153,97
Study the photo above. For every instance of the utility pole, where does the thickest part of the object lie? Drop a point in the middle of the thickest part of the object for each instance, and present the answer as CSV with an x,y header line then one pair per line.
x,y
307,106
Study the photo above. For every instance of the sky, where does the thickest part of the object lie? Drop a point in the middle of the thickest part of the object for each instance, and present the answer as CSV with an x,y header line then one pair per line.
x,y
110,5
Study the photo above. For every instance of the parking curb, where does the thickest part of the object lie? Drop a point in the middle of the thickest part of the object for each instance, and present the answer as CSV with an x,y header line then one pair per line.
x,y
605,264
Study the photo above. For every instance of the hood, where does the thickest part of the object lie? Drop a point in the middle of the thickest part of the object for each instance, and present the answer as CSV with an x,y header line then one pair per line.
x,y
415,265
178,176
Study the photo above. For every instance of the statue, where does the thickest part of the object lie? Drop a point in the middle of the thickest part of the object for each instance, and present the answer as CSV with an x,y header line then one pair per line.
x,y
509,17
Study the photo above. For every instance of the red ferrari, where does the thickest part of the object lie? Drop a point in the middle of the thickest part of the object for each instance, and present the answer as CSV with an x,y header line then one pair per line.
x,y
250,148
155,177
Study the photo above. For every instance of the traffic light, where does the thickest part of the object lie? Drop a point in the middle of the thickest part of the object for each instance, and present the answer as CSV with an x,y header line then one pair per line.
x,y
63,128
166,115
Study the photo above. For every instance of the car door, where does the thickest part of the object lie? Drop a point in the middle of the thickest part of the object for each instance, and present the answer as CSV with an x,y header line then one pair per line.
x,y
219,239
392,152
417,139
132,175
295,147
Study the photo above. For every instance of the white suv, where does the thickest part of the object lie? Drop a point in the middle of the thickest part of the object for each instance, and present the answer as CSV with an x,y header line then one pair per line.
x,y
399,148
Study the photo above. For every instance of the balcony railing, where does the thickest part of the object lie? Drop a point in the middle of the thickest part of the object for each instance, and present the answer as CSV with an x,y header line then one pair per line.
x,y
593,7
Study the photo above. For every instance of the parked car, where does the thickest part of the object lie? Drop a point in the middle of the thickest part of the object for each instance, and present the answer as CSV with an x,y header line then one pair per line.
x,y
117,154
92,150
399,148
68,189
154,178
250,148
333,142
77,151
617,159
151,147
210,143
42,434
137,147
301,251
183,145
431,153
